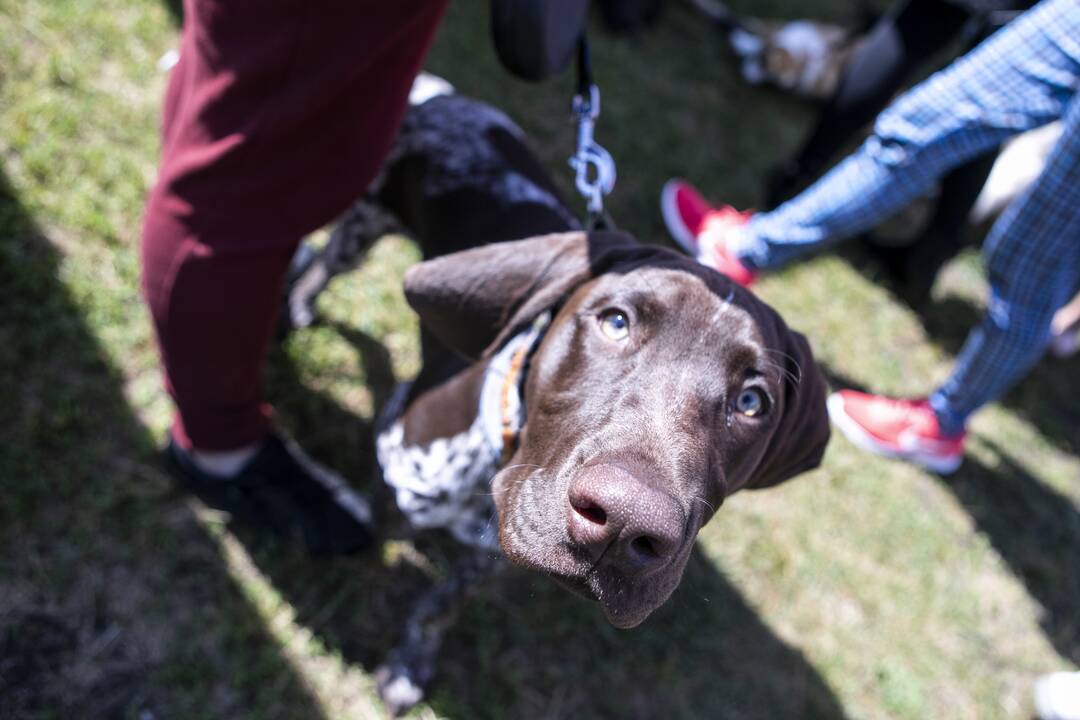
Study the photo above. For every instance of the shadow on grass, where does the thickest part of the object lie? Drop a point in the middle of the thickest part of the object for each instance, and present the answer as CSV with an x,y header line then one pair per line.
x,y
1037,532
1032,527
328,431
114,600
176,11
523,647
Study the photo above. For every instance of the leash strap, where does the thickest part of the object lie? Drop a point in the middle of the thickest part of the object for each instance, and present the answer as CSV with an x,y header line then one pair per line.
x,y
593,166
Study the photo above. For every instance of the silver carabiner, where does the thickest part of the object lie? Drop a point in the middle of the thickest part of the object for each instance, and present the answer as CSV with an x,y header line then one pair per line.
x,y
593,165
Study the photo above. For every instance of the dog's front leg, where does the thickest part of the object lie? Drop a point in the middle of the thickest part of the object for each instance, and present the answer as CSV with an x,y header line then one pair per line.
x,y
411,665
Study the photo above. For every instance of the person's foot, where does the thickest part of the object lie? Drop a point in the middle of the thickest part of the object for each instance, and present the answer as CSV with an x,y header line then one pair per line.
x,y
284,492
905,429
1057,696
703,230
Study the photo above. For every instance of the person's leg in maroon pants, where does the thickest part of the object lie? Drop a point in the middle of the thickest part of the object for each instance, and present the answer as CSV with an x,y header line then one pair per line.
x,y
277,116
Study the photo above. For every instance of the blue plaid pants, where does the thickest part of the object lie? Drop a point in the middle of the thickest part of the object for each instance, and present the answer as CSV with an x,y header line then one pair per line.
x,y
1022,77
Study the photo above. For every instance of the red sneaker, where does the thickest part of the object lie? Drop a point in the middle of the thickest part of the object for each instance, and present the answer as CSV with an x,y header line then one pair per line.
x,y
701,229
905,429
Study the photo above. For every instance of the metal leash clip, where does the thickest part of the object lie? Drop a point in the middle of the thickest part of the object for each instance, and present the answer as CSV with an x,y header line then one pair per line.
x,y
593,165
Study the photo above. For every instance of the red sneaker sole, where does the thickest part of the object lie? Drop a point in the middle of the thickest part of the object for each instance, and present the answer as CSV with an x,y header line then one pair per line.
x,y
860,438
678,229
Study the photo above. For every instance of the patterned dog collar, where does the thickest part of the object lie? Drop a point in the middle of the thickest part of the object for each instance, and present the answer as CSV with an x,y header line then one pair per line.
x,y
447,483
502,405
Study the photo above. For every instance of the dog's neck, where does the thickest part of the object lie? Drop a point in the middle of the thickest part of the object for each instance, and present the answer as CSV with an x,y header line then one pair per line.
x,y
501,408
443,479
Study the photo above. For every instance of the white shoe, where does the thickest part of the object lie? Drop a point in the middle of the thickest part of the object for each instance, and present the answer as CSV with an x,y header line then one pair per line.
x,y
1057,696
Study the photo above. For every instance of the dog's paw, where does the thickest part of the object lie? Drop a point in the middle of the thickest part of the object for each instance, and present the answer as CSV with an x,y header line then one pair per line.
x,y
397,688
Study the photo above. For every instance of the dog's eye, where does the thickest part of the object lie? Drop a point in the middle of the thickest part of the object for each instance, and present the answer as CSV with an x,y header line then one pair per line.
x,y
751,402
615,325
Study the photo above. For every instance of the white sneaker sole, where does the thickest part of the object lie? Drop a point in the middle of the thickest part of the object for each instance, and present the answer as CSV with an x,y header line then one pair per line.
x,y
1057,696
865,441
673,220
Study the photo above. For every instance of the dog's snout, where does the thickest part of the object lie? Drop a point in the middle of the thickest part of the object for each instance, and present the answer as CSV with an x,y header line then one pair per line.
x,y
623,521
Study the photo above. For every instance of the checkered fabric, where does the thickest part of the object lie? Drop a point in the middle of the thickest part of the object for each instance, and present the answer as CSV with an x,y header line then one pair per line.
x,y
1022,77
1033,256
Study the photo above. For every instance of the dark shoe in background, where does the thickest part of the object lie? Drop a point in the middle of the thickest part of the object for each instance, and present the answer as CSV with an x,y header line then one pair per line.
x,y
283,492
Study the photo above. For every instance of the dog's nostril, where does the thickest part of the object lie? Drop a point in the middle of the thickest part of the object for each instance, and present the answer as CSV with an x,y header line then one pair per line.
x,y
622,521
592,513
645,547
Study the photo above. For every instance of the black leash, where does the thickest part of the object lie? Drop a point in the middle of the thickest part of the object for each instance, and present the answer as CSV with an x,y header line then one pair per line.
x,y
593,165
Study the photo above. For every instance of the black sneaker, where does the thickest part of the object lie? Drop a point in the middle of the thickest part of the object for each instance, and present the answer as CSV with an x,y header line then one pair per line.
x,y
282,491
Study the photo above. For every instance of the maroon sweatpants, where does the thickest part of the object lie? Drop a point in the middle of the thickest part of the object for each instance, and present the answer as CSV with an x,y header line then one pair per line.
x,y
277,116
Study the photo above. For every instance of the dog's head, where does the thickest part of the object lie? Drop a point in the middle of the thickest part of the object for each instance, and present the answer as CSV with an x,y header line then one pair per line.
x,y
659,389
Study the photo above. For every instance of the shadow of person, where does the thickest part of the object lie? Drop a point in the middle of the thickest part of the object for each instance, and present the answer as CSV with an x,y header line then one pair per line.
x,y
1035,530
527,648
115,601
949,320
328,431
356,604
524,647
176,11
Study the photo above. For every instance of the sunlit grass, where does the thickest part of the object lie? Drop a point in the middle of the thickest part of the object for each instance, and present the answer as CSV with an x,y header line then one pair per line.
x,y
866,589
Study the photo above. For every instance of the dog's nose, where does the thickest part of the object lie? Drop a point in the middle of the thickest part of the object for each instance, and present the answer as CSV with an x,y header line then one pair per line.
x,y
623,521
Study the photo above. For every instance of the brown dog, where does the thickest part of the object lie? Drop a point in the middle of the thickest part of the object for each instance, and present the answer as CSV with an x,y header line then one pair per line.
x,y
585,402
658,389
634,390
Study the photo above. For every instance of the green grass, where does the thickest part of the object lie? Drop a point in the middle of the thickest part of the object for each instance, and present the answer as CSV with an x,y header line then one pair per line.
x,y
866,589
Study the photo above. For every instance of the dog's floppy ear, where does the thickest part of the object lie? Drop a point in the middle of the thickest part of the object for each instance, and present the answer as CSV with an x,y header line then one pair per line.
x,y
467,298
799,441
